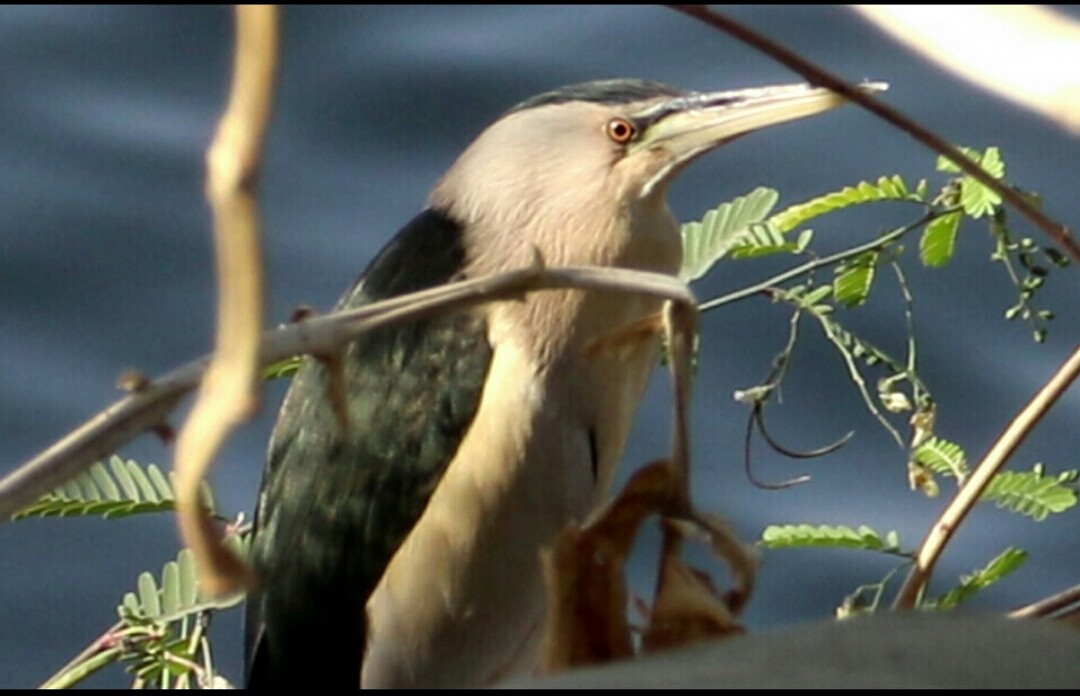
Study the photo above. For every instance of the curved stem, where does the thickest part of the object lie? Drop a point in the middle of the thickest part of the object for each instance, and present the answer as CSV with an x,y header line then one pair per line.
x,y
966,497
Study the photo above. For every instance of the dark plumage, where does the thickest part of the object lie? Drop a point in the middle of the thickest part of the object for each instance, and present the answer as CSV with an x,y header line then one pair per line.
x,y
618,91
341,503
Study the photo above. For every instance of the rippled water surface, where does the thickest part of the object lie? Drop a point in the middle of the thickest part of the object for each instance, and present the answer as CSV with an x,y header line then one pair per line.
x,y
105,264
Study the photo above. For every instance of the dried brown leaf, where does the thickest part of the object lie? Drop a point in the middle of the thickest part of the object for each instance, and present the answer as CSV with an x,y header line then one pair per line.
x,y
687,608
585,577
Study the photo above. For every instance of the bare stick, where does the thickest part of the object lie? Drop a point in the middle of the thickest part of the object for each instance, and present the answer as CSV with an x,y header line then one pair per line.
x,y
969,494
147,407
1049,605
680,326
1058,232
229,393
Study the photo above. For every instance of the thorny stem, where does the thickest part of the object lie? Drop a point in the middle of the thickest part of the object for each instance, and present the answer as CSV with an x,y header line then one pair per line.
x,y
147,407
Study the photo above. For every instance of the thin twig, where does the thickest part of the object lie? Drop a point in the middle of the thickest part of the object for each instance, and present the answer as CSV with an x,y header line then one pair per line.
x,y
817,76
1047,606
811,266
229,393
855,376
748,439
151,403
758,396
680,326
71,673
142,410
909,322
966,497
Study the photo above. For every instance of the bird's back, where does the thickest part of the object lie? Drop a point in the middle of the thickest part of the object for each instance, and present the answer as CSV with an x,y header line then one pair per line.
x,y
336,504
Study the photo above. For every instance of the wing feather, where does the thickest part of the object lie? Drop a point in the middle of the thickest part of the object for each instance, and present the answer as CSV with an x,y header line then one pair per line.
x,y
336,505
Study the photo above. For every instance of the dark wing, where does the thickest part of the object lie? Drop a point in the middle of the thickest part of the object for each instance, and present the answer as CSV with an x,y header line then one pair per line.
x,y
336,505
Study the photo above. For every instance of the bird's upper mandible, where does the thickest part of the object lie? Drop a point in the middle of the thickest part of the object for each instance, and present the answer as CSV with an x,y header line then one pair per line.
x,y
405,548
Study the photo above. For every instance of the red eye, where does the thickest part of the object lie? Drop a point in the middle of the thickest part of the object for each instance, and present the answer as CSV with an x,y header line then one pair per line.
x,y
620,130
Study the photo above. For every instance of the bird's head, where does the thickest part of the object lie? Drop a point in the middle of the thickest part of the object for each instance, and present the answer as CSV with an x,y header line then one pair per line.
x,y
585,158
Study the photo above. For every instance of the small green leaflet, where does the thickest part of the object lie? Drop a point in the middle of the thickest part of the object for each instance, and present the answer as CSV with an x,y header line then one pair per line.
x,y
177,595
942,457
708,241
853,280
1009,560
938,241
828,536
885,189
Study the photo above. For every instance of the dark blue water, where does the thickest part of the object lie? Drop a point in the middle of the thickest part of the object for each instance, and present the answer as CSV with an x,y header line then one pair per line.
x,y
105,264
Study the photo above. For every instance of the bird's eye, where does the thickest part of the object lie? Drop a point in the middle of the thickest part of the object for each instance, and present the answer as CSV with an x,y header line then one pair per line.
x,y
620,130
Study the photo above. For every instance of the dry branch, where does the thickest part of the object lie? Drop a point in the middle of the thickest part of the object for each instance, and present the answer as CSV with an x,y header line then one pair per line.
x,y
980,478
143,410
229,391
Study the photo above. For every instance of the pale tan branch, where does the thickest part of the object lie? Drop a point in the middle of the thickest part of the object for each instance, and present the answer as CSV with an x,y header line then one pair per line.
x,y
969,494
146,408
1049,605
680,325
1027,54
229,392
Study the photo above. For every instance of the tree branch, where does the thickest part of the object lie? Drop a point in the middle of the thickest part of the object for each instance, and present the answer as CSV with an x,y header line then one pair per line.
x,y
818,76
229,392
969,494
147,407
1048,605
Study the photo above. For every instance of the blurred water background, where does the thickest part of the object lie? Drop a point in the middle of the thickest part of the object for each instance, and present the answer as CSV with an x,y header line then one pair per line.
x,y
105,264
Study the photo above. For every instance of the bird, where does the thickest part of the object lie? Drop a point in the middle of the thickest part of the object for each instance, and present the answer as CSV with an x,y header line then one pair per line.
x,y
401,548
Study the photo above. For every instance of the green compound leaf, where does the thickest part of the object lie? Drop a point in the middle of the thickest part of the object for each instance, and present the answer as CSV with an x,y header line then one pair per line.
x,y
763,239
176,595
1031,493
1009,560
942,457
854,278
887,188
939,240
828,536
708,241
120,489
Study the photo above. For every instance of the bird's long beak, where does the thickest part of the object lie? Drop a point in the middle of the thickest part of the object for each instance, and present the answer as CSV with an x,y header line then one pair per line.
x,y
690,125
